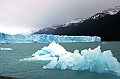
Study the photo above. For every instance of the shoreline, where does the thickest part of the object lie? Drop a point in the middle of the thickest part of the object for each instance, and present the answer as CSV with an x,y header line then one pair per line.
x,y
6,77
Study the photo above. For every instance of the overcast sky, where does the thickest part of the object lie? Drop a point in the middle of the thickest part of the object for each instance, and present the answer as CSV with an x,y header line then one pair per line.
x,y
18,16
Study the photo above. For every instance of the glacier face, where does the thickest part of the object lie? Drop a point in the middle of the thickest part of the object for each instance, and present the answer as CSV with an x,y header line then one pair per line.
x,y
88,59
44,38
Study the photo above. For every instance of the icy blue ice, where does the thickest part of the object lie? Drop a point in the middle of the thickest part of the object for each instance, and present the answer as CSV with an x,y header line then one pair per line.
x,y
1,48
44,38
88,59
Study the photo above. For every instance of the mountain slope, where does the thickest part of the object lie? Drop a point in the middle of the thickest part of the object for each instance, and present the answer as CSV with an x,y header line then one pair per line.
x,y
61,29
105,24
107,27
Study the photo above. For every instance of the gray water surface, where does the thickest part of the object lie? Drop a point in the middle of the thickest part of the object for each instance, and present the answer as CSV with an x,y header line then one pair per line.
x,y
10,64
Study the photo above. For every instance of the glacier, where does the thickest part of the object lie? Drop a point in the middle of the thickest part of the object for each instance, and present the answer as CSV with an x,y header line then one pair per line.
x,y
88,59
44,38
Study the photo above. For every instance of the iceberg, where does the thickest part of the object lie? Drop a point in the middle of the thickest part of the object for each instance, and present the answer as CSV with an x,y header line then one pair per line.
x,y
1,48
47,53
44,38
88,59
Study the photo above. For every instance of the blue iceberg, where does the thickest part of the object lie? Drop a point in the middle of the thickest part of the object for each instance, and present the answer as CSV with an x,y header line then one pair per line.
x,y
44,38
88,59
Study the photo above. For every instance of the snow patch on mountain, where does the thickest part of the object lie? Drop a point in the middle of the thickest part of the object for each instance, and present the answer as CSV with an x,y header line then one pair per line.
x,y
75,21
109,11
112,11
98,15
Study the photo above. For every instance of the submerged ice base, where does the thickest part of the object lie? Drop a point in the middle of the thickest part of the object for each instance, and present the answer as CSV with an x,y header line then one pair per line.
x,y
88,59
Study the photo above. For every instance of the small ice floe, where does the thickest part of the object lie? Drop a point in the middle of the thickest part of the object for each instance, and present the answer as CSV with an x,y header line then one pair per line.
x,y
104,43
1,48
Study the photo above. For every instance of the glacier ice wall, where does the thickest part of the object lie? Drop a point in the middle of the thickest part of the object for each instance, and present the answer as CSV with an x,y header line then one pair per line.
x,y
44,38
88,59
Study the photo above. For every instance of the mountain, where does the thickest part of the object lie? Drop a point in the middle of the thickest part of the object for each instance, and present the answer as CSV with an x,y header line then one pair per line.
x,y
60,29
105,24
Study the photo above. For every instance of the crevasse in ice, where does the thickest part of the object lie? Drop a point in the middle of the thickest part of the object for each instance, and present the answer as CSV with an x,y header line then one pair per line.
x,y
88,59
44,38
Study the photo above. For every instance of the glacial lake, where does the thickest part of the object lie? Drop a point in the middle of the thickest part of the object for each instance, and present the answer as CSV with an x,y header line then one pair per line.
x,y
10,64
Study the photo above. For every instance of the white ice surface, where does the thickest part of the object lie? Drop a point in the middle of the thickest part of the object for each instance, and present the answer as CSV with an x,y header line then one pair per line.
x,y
88,59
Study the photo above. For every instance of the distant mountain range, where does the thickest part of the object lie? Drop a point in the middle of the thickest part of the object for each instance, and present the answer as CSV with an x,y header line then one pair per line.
x,y
105,24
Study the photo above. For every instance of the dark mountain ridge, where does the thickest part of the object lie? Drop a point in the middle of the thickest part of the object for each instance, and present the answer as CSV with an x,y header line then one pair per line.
x,y
105,24
107,27
60,29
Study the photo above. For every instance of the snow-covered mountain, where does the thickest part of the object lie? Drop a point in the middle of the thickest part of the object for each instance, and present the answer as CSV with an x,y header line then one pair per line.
x,y
104,24
110,11
53,29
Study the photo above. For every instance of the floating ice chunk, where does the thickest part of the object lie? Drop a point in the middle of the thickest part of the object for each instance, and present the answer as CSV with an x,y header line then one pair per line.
x,y
104,43
1,48
88,59
53,50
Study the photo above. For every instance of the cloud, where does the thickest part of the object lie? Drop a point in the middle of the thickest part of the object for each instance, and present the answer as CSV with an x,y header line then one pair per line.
x,y
36,14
